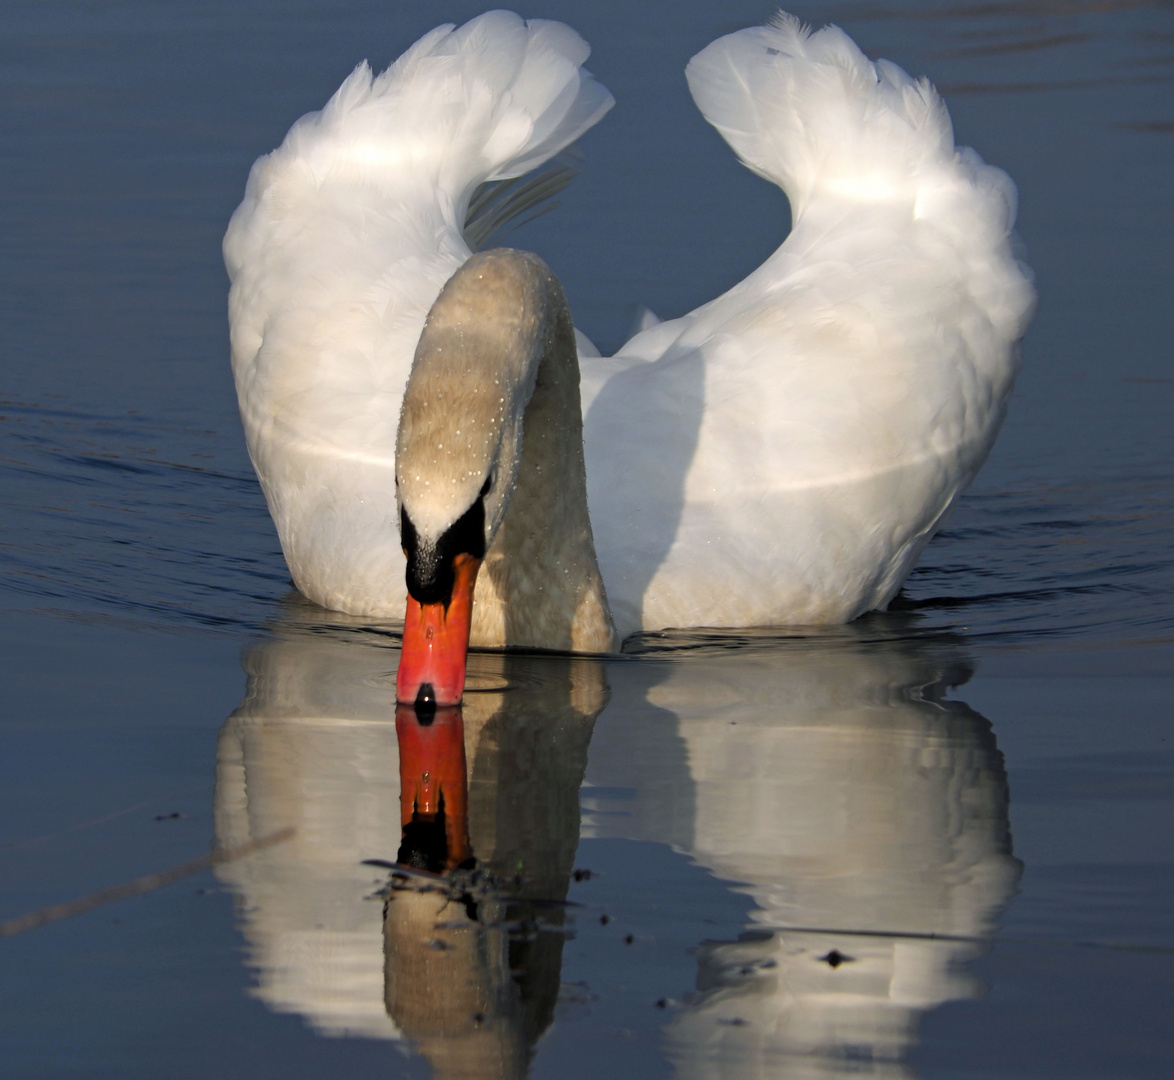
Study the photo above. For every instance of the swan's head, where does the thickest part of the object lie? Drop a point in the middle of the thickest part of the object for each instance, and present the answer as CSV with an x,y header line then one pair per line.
x,y
457,454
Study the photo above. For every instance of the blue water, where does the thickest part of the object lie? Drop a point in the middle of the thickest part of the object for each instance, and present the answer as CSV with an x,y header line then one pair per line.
x,y
989,761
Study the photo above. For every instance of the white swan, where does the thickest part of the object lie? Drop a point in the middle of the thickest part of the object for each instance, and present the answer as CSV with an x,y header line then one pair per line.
x,y
779,456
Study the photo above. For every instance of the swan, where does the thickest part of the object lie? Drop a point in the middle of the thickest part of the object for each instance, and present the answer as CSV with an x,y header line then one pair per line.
x,y
424,419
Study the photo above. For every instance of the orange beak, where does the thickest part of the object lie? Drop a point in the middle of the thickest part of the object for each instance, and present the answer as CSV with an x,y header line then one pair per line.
x,y
436,642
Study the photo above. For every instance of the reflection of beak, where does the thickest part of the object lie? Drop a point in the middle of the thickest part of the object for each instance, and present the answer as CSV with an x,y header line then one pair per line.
x,y
434,789
436,642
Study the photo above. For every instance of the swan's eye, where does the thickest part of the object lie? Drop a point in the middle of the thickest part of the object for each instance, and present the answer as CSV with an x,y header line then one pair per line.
x,y
486,486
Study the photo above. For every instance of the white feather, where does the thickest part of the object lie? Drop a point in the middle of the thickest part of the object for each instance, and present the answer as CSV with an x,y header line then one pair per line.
x,y
780,455
828,409
345,236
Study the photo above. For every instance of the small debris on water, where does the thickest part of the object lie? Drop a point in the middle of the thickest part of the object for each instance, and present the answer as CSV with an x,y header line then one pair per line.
x,y
835,958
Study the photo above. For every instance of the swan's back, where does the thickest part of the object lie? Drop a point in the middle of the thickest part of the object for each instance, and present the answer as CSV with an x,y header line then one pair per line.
x,y
816,422
345,236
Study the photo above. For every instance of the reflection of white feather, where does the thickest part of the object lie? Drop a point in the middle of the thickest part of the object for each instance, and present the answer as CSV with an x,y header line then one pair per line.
x,y
829,782
833,787
313,746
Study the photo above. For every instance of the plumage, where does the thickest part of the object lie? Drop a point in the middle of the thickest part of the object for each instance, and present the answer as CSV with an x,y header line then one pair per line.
x,y
345,236
779,456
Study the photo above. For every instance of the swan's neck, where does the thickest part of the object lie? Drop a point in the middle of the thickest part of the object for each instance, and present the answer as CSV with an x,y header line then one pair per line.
x,y
502,329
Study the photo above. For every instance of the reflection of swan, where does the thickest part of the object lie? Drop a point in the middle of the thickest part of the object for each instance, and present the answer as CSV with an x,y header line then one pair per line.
x,y
780,455
829,781
846,797
473,981
314,746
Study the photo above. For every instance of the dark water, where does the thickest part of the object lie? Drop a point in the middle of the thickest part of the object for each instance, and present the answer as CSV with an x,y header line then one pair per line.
x,y
939,842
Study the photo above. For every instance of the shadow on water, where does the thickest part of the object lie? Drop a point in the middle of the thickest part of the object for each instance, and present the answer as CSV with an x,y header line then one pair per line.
x,y
862,812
